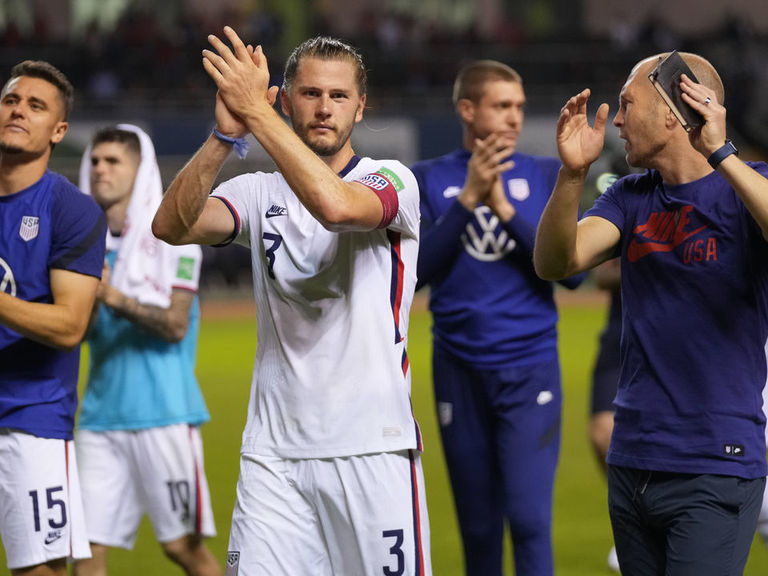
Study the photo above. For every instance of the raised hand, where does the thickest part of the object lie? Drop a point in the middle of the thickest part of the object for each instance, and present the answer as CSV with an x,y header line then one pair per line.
x,y
241,75
711,135
578,143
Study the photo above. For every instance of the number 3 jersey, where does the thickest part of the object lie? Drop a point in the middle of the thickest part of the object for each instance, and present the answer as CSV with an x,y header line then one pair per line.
x,y
331,376
50,225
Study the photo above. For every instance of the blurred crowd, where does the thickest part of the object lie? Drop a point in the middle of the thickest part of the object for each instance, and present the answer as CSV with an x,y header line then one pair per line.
x,y
413,50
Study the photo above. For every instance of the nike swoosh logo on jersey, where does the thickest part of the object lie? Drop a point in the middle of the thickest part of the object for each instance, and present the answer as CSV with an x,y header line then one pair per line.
x,y
276,210
451,192
663,232
52,537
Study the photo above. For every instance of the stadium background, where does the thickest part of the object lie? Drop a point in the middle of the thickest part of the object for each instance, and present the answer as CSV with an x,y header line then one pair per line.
x,y
139,61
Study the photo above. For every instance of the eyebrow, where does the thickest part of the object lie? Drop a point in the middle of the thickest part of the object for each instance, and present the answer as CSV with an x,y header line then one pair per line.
x,y
33,99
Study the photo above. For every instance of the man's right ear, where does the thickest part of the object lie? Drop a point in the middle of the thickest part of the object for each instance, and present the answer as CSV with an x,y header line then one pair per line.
x,y
466,109
285,102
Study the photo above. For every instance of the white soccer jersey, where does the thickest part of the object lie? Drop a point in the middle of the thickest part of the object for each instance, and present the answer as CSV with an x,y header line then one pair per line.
x,y
331,376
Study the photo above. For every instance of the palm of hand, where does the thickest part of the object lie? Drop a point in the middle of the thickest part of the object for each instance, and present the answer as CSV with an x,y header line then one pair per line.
x,y
578,143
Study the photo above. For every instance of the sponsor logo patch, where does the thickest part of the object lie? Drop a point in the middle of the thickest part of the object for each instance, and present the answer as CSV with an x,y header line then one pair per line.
x,y
7,281
30,228
451,192
544,397
276,210
52,536
663,232
734,450
392,177
186,268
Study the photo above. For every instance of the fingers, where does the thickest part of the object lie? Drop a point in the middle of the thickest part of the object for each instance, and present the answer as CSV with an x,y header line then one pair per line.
x,y
490,154
241,51
211,69
224,56
577,104
601,117
259,58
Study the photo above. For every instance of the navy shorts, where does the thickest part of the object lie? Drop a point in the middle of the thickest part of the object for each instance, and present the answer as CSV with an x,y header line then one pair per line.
x,y
682,524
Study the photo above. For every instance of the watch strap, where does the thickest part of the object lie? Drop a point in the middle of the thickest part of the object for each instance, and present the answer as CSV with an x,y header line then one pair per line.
x,y
722,153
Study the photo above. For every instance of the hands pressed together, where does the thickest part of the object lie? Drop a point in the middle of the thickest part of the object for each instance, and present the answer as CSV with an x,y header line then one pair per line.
x,y
241,75
490,158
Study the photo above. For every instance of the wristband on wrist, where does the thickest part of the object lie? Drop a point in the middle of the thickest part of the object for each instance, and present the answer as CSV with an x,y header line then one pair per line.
x,y
241,145
722,153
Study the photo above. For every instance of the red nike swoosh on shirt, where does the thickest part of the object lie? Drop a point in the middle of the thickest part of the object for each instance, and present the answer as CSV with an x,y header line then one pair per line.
x,y
637,249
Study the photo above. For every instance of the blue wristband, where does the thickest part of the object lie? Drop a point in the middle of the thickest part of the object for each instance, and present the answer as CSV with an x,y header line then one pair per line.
x,y
241,144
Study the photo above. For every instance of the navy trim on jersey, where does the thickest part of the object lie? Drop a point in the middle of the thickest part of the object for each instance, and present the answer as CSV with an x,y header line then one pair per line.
x,y
396,285
418,549
76,252
235,217
354,161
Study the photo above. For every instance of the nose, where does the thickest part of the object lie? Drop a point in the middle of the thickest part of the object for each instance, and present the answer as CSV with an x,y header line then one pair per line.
x,y
618,120
324,106
17,111
96,166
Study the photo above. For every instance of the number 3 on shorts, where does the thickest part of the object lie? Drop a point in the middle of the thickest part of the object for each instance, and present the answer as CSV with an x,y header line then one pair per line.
x,y
397,551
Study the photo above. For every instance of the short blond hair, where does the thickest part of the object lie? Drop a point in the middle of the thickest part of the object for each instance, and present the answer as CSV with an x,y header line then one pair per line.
x,y
472,78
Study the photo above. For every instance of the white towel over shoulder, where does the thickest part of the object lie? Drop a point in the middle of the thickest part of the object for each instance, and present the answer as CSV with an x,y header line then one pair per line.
x,y
146,268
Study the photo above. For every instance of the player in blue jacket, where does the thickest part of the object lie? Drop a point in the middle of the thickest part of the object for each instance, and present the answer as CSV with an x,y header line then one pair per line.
x,y
51,257
495,361
686,464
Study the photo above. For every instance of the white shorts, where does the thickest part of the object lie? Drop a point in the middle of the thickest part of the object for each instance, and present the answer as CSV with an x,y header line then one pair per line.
x,y
41,512
361,515
128,473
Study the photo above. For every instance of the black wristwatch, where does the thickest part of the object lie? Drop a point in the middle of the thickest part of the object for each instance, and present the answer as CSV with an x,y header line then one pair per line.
x,y
722,153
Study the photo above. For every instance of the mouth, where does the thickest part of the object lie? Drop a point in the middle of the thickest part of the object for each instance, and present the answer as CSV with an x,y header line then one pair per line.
x,y
15,128
322,128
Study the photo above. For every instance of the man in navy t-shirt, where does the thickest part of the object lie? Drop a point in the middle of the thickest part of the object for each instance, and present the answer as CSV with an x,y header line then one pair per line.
x,y
687,460
495,362
51,257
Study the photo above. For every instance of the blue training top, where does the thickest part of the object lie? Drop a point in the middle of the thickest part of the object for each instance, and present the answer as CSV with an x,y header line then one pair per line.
x,y
50,225
137,380
694,281
489,308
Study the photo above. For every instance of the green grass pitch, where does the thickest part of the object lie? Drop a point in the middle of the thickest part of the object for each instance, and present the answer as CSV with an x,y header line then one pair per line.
x,y
581,528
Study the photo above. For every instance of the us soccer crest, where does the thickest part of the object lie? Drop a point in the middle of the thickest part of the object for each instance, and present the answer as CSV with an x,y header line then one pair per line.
x,y
233,563
30,227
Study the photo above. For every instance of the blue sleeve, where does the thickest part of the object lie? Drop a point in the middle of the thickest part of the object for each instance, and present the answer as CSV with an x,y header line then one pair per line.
x,y
440,243
525,234
79,232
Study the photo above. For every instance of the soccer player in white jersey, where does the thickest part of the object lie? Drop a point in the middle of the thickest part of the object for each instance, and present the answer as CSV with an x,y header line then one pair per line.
x,y
139,447
330,477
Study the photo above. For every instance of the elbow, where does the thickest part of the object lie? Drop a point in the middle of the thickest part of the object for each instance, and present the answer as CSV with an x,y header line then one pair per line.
x,y
175,332
335,218
160,230
70,340
546,270
163,230
174,335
